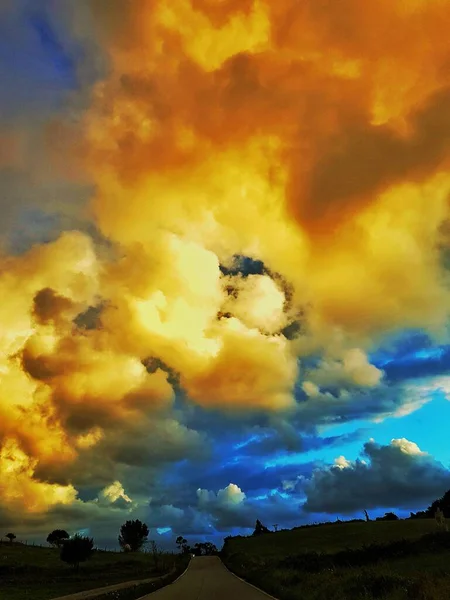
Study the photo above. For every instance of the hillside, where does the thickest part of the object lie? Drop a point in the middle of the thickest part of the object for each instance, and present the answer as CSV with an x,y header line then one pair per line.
x,y
395,560
28,572
332,537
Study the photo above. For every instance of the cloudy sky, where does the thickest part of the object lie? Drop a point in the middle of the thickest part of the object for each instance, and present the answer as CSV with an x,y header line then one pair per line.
x,y
224,263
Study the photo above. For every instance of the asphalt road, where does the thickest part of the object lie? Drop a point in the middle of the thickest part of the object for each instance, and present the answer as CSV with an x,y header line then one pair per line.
x,y
207,579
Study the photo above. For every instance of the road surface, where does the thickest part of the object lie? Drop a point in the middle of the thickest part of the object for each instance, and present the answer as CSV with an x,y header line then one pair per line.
x,y
207,579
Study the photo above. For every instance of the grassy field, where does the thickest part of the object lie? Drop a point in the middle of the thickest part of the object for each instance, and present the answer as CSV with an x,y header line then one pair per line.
x,y
33,573
317,563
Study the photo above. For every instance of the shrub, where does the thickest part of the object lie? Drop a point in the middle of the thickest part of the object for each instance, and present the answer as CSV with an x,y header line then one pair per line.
x,y
77,549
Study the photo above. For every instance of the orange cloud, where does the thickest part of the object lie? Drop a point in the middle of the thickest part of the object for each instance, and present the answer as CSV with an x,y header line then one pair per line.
x,y
312,136
293,144
18,488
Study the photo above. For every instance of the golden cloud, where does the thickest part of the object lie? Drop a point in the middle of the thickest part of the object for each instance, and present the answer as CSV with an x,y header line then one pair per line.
x,y
312,136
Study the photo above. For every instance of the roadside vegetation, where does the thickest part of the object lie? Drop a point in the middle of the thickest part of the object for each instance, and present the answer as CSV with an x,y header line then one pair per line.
x,y
73,564
387,559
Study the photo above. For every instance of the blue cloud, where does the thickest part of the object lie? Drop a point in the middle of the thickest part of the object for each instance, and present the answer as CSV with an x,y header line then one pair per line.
x,y
38,70
58,58
411,356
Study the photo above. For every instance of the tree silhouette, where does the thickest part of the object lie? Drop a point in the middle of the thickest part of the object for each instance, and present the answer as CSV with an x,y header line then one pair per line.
x,y
260,528
181,542
11,537
198,549
77,549
205,548
57,537
389,516
134,534
209,548
442,503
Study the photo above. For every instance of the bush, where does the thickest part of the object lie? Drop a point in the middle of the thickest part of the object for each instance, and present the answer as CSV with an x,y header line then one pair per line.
x,y
389,516
77,549
374,585
137,591
315,562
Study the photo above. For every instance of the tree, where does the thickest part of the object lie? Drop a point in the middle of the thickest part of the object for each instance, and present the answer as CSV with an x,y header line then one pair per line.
x,y
389,516
182,544
77,549
421,514
442,503
260,528
198,549
11,537
57,537
209,548
205,548
133,533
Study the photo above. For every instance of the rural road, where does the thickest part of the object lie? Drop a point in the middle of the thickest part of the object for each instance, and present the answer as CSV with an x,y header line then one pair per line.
x,y
207,579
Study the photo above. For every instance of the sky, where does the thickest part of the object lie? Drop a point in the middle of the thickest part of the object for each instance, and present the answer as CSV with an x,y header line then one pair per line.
x,y
224,264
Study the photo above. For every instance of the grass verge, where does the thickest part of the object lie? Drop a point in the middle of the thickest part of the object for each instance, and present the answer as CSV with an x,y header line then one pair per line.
x,y
410,568
32,573
137,591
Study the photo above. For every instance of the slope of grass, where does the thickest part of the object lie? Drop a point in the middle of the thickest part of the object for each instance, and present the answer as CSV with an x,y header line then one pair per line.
x,y
32,573
333,537
396,560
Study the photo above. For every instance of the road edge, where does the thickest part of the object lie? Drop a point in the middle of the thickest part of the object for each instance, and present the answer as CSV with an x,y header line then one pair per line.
x,y
246,582
179,576
98,592
167,585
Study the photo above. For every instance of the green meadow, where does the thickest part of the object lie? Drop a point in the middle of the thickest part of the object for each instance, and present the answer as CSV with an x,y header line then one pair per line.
x,y
385,560
34,573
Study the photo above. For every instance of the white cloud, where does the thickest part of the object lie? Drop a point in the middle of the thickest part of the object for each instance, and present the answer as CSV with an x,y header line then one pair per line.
x,y
232,495
350,369
115,491
229,497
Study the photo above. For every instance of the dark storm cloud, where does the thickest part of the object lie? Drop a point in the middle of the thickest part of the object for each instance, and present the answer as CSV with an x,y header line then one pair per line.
x,y
231,508
261,465
397,475
411,356
428,362
133,453
331,406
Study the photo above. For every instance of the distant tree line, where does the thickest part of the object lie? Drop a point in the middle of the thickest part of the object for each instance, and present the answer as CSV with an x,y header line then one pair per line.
x,y
199,549
442,504
132,538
